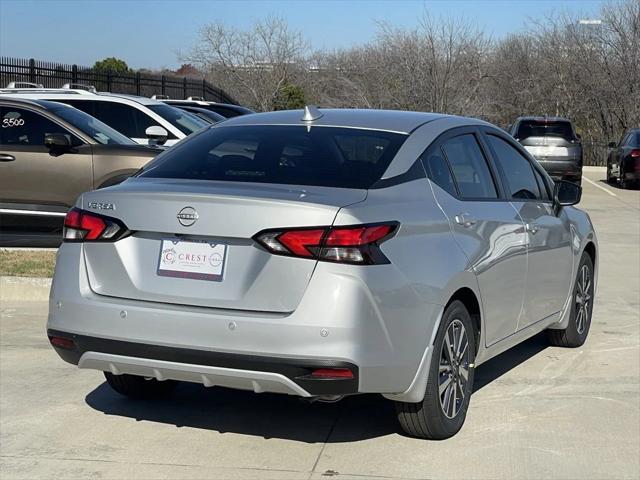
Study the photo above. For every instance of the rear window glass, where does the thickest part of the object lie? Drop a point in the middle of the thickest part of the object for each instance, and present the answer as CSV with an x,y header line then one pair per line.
x,y
634,141
542,128
298,155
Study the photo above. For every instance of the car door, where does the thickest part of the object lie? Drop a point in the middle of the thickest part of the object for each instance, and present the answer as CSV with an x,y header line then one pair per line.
x,y
549,256
36,186
485,226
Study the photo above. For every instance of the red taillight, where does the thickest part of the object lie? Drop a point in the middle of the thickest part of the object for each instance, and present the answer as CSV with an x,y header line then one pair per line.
x,y
82,226
342,373
62,342
299,241
351,236
635,153
357,244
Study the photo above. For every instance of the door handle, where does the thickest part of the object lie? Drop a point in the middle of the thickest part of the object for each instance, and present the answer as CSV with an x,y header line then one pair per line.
x,y
465,220
532,228
5,157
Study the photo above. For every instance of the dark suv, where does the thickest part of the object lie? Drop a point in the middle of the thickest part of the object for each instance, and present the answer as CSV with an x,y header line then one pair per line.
x,y
554,143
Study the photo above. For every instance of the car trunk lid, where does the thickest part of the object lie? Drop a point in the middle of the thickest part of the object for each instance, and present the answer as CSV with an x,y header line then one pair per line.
x,y
217,213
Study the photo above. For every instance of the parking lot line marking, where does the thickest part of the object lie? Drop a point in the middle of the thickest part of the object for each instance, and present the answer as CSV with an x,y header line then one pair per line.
x,y
600,187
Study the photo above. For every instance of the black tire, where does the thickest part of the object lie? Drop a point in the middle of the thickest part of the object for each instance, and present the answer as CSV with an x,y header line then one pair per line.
x,y
427,419
133,386
580,320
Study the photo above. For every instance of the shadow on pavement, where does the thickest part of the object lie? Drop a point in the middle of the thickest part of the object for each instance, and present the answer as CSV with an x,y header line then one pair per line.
x,y
266,415
617,186
503,363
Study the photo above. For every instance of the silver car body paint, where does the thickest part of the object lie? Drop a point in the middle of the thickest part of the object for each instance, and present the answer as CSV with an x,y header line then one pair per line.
x,y
382,318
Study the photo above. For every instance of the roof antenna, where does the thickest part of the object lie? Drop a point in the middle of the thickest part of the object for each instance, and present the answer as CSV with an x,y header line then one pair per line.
x,y
311,113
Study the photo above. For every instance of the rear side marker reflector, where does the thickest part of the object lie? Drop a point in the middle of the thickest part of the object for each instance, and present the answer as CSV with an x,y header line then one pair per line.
x,y
62,343
341,373
83,226
357,244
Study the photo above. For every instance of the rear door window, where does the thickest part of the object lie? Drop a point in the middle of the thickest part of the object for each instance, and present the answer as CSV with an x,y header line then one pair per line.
x,y
300,155
516,168
469,167
439,173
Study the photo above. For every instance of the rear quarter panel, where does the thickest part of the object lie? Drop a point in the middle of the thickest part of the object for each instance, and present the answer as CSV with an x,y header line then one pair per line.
x,y
426,266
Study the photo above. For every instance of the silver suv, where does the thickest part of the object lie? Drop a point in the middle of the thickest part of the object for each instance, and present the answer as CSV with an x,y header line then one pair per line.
x,y
325,253
554,142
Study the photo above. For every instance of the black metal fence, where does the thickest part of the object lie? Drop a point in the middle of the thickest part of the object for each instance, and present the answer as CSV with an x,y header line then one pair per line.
x,y
54,75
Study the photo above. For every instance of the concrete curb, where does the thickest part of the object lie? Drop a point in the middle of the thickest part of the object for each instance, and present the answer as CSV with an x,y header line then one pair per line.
x,y
594,169
24,289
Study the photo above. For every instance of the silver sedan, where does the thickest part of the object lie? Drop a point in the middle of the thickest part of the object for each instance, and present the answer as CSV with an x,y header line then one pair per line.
x,y
324,253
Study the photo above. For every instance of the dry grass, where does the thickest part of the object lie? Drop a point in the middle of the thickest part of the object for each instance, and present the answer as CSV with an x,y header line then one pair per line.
x,y
27,263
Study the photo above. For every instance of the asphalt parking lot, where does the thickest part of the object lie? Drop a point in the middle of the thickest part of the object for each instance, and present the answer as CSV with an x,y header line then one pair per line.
x,y
537,411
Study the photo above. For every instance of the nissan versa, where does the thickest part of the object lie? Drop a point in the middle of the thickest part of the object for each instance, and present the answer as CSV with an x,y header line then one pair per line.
x,y
324,253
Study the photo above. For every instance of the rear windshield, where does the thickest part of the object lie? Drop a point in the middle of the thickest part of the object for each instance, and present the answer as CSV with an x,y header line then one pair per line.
x,y
635,140
298,155
542,128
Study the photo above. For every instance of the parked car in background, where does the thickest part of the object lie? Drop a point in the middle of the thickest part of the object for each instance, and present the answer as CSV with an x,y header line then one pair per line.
x,y
325,253
49,154
554,144
207,115
623,162
227,110
142,119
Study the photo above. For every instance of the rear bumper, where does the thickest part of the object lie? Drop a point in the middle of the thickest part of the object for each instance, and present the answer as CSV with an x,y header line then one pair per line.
x,y
562,167
633,175
370,320
244,372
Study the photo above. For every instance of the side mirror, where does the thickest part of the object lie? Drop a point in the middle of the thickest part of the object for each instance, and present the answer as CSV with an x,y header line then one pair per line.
x,y
156,135
566,193
612,145
58,141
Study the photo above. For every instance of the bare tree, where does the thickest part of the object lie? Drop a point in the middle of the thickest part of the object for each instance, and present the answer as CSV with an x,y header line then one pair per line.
x,y
256,65
559,66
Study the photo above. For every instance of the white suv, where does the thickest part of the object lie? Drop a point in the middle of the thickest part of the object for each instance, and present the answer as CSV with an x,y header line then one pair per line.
x,y
136,117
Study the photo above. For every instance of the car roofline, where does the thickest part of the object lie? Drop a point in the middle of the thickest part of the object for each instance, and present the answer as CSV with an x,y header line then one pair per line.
x,y
542,118
397,121
352,127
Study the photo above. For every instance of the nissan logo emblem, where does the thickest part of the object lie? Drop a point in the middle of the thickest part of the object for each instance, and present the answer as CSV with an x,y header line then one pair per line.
x,y
187,216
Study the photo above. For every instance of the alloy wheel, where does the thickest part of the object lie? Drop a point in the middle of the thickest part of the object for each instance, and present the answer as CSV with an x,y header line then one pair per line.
x,y
583,299
453,373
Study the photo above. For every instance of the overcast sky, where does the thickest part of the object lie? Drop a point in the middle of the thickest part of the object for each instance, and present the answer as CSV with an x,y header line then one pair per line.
x,y
151,33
